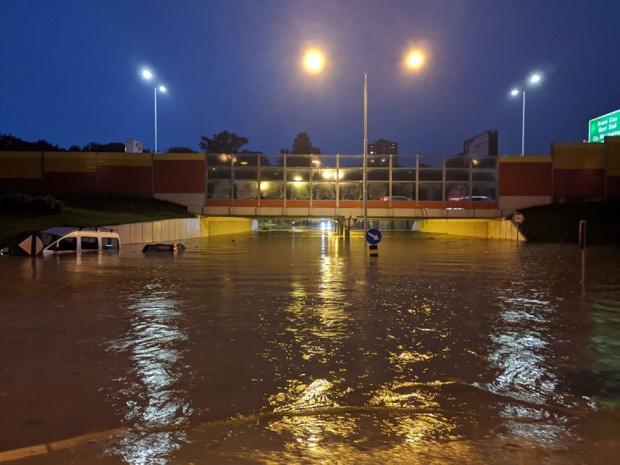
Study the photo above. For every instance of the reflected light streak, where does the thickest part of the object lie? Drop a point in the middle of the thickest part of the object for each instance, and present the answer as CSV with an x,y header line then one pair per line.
x,y
152,400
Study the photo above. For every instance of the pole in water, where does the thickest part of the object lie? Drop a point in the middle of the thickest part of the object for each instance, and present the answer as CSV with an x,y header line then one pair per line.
x,y
582,234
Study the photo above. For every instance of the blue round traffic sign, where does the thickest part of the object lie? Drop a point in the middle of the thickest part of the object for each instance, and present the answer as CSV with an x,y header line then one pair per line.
x,y
373,236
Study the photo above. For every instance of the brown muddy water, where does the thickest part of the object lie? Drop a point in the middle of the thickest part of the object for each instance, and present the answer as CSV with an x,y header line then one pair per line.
x,y
296,348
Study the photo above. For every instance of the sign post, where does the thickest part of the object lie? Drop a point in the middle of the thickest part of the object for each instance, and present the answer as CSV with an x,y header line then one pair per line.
x,y
517,219
373,237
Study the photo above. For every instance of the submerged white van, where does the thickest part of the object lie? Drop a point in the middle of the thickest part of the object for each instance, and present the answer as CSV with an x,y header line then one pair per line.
x,y
72,240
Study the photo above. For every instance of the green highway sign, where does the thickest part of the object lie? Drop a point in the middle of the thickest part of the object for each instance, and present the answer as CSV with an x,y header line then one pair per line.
x,y
606,125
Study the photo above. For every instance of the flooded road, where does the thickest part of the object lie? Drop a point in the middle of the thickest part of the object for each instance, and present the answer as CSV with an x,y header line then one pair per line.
x,y
292,348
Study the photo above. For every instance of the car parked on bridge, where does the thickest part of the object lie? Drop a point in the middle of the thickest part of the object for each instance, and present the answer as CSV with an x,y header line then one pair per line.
x,y
473,198
395,198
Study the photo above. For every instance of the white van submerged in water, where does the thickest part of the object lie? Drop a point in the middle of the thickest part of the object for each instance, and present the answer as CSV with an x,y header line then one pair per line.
x,y
70,239
63,239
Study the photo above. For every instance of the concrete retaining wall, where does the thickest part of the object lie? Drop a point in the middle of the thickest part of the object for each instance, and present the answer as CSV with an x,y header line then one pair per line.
x,y
181,228
490,229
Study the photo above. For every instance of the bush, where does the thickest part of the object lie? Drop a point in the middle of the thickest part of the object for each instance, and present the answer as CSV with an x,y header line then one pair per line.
x,y
22,203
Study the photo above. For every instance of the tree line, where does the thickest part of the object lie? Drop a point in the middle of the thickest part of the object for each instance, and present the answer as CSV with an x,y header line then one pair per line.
x,y
222,142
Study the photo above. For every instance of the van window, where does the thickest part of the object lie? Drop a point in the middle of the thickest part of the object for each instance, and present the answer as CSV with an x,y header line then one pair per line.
x,y
89,243
110,243
68,243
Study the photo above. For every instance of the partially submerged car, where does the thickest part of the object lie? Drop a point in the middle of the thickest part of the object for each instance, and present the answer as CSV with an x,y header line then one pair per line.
x,y
163,247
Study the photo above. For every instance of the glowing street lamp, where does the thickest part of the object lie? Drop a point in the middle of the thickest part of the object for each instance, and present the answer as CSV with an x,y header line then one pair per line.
x,y
148,75
533,80
314,62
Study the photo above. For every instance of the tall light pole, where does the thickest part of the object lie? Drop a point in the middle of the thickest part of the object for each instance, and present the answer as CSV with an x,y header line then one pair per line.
x,y
533,79
148,75
314,62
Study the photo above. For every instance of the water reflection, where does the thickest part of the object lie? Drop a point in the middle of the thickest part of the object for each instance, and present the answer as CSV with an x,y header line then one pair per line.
x,y
291,348
151,397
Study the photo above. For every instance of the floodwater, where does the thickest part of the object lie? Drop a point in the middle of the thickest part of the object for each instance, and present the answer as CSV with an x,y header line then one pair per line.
x,y
300,349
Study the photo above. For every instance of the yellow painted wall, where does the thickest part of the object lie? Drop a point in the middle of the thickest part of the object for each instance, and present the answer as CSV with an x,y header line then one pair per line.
x,y
20,165
578,156
217,226
485,228
70,162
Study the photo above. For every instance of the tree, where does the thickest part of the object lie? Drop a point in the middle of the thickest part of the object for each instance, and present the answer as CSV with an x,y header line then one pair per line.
x,y
224,142
181,149
10,142
302,145
110,147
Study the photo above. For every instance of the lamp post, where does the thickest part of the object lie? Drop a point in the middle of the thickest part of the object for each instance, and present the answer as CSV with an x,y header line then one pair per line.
x,y
314,63
533,79
146,74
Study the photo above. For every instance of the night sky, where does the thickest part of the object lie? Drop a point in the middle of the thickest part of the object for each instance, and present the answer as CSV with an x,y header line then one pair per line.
x,y
70,71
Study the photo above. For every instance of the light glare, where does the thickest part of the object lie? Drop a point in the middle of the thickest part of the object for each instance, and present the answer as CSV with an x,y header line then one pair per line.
x,y
415,59
514,92
146,74
535,78
314,61
162,88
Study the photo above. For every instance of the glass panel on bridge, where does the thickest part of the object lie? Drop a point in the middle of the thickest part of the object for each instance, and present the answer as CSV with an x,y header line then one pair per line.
x,y
484,192
430,191
298,190
457,174
350,191
351,174
456,191
408,161
376,190
246,190
431,174
403,174
324,174
431,161
218,159
484,162
271,190
298,174
351,161
246,173
298,160
484,175
220,172
272,174
249,159
378,160
378,174
324,191
218,189
459,161
403,191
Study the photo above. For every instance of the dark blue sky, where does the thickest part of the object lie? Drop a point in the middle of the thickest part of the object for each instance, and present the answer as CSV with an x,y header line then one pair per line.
x,y
70,71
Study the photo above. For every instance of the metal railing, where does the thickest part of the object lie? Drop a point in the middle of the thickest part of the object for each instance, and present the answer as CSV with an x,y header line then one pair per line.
x,y
399,180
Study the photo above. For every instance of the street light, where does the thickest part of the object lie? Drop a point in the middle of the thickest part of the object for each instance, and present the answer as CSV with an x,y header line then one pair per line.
x,y
148,75
533,79
314,61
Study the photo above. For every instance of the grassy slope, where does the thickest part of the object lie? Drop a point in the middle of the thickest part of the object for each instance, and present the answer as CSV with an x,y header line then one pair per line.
x,y
560,222
92,211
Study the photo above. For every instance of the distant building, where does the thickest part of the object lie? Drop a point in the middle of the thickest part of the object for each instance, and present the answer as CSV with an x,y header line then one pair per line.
x,y
482,145
382,147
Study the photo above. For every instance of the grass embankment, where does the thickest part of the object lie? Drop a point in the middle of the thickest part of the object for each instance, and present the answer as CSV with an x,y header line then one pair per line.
x,y
560,222
90,212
